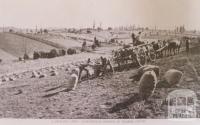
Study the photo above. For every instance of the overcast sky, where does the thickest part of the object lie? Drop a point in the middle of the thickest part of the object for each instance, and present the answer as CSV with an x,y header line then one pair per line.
x,y
82,13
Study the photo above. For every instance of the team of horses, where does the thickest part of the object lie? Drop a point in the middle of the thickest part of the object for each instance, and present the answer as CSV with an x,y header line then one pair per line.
x,y
131,55
168,47
143,53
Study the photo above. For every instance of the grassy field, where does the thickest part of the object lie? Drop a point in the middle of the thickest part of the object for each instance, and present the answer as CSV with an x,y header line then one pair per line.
x,y
6,56
17,45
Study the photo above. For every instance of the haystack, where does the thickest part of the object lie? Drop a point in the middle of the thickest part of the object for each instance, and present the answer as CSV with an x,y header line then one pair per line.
x,y
42,75
12,78
138,74
173,77
54,73
35,74
147,84
5,79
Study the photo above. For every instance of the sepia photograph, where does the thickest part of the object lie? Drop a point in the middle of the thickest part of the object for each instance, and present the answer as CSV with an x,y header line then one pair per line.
x,y
100,59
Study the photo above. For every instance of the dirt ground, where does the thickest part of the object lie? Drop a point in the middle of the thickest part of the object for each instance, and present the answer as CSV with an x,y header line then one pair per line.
x,y
112,96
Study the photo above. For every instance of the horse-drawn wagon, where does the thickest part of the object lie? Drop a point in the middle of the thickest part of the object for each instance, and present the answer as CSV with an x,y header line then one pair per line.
x,y
134,56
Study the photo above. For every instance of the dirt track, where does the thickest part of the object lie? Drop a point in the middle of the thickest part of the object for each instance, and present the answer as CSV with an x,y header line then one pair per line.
x,y
98,98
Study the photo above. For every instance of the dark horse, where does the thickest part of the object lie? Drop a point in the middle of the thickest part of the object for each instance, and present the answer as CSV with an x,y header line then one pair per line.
x,y
173,47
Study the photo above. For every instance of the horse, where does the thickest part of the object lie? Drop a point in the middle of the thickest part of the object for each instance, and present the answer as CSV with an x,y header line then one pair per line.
x,y
173,46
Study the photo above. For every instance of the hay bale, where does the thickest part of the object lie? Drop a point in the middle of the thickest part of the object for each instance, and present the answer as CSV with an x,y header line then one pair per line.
x,y
71,51
26,57
138,74
35,74
54,73
173,77
5,79
53,53
62,52
43,54
17,76
42,75
12,79
36,55
147,84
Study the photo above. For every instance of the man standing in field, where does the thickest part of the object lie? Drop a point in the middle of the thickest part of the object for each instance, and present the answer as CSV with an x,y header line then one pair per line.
x,y
187,42
82,68
136,39
83,46
133,39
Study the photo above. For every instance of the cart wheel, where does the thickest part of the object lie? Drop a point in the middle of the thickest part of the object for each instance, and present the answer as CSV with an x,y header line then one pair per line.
x,y
141,57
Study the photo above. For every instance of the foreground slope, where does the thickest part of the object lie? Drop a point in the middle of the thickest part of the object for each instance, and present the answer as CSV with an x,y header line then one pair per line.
x,y
48,98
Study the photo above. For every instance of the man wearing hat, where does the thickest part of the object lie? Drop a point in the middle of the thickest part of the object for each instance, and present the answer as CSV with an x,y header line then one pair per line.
x,y
138,38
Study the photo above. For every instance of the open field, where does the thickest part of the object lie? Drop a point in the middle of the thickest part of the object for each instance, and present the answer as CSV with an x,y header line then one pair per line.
x,y
113,96
17,45
6,56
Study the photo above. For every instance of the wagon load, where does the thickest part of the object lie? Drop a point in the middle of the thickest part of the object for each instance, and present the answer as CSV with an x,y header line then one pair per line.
x,y
147,84
171,78
139,72
134,56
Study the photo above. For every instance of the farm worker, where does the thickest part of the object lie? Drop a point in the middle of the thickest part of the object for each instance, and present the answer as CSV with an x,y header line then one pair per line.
x,y
104,64
96,42
73,80
83,67
84,43
133,39
83,46
138,38
187,42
